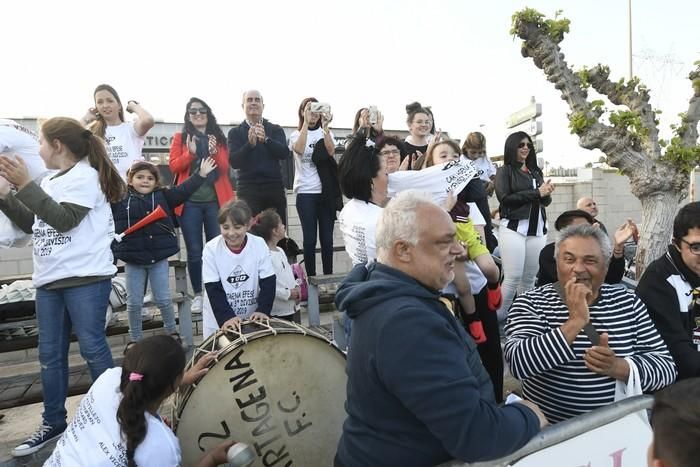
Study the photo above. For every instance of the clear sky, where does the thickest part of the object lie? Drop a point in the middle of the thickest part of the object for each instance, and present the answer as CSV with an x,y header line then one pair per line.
x,y
454,55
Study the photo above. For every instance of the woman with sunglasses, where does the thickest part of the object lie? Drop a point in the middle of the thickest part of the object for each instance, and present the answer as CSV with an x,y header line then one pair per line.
x,y
523,195
124,139
200,139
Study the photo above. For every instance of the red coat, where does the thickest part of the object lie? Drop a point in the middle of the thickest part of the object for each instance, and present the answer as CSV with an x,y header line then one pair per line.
x,y
181,161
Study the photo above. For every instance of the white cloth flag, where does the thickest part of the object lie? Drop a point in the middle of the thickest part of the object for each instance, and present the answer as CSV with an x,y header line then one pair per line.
x,y
437,180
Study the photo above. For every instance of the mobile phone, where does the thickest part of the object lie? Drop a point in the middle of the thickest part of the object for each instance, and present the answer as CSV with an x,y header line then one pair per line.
x,y
373,115
320,107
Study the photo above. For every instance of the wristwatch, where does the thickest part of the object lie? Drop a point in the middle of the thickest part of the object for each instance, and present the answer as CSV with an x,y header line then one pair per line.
x,y
267,139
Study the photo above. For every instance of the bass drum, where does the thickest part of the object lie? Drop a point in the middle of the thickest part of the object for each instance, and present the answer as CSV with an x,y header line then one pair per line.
x,y
279,388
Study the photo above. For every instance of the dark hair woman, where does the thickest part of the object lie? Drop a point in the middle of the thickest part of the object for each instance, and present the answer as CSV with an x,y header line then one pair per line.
x,y
523,195
200,139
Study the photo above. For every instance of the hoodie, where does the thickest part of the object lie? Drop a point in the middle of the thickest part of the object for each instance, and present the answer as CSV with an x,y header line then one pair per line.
x,y
417,393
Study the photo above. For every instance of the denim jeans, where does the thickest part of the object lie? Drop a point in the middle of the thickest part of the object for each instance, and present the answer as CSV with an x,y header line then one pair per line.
x,y
194,216
81,309
157,275
313,214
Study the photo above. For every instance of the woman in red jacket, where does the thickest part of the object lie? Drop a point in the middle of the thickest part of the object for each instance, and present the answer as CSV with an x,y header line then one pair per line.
x,y
200,138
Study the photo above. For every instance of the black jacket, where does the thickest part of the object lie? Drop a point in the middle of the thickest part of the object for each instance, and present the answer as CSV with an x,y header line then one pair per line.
x,y
516,193
155,241
664,284
327,169
259,164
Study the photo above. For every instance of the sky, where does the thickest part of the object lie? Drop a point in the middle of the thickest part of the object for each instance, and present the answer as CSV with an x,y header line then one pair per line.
x,y
454,55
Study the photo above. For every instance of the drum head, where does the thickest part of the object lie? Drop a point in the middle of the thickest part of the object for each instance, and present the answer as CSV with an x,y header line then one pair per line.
x,y
283,394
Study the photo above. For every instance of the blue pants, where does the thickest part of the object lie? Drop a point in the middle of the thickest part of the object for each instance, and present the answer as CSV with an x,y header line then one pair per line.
x,y
315,214
157,275
194,217
81,309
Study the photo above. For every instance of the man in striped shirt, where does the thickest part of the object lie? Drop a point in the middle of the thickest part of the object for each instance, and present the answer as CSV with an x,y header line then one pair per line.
x,y
570,342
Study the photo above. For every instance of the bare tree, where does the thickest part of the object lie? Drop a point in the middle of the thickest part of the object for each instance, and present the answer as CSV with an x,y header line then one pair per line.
x,y
658,171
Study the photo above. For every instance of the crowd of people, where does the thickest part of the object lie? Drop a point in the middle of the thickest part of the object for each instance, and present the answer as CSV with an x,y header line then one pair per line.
x,y
415,221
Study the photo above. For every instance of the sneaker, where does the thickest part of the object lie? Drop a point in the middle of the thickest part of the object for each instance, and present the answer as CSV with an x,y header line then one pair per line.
x,y
45,434
196,307
146,314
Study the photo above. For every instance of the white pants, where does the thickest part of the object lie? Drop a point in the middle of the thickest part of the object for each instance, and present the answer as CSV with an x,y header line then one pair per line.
x,y
520,257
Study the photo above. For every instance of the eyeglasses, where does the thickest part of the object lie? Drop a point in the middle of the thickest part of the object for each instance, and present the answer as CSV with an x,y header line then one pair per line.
x,y
529,145
390,152
195,111
693,247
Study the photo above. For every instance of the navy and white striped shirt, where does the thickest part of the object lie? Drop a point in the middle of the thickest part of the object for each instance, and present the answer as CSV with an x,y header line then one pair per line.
x,y
553,372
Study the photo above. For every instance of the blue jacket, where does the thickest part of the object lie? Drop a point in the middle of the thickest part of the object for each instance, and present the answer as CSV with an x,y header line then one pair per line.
x,y
259,164
155,241
417,393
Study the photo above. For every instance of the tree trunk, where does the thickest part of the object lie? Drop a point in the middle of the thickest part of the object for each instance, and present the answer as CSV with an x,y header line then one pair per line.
x,y
658,212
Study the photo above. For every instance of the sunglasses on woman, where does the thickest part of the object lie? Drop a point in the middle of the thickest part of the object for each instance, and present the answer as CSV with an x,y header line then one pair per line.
x,y
529,145
195,111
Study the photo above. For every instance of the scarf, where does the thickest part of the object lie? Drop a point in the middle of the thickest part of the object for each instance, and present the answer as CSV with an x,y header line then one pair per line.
x,y
202,143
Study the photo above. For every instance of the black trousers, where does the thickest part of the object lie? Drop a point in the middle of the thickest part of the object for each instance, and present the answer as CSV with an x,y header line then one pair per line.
x,y
263,196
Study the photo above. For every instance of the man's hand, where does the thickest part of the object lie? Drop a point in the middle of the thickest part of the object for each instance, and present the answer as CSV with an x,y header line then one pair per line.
x,y
252,136
199,369
532,406
577,297
601,359
622,234
260,132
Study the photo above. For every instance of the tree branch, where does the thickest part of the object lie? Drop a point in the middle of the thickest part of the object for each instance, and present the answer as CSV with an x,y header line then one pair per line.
x,y
621,149
689,137
635,98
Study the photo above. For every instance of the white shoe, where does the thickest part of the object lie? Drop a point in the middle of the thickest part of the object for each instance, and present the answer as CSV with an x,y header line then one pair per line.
x,y
196,307
148,298
146,314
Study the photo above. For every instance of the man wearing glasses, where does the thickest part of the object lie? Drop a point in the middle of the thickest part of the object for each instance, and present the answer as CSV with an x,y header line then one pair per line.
x,y
256,148
670,288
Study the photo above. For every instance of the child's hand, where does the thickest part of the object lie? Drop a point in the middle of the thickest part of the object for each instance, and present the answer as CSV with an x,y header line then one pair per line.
x,y
199,369
15,171
261,317
233,323
207,166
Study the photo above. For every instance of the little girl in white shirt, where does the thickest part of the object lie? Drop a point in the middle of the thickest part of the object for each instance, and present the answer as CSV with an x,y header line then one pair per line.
x,y
268,225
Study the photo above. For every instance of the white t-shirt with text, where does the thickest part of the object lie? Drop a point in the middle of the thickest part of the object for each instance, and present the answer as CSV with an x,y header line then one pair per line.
x,y
94,439
358,223
239,275
437,180
84,250
124,146
306,179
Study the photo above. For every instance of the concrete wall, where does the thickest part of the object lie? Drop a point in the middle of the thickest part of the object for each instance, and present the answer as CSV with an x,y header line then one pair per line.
x,y
609,189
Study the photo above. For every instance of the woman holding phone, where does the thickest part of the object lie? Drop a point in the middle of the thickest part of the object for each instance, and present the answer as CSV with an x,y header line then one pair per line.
x,y
316,214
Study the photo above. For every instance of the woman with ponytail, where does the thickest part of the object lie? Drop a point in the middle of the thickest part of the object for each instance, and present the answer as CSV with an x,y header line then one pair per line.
x,y
117,422
124,139
71,221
